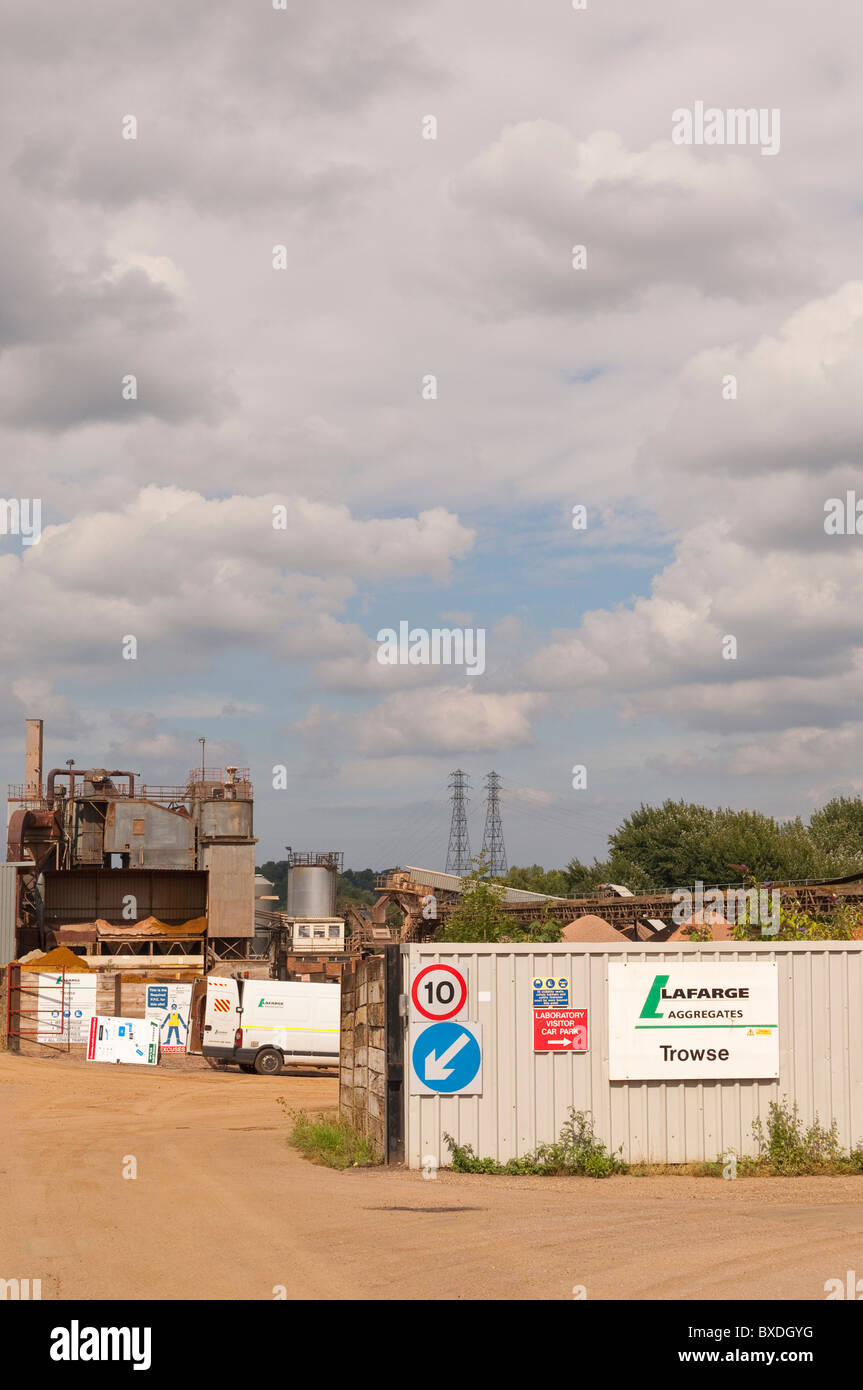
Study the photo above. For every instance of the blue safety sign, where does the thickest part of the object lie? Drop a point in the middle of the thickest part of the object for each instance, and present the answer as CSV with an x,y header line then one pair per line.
x,y
446,1059
551,993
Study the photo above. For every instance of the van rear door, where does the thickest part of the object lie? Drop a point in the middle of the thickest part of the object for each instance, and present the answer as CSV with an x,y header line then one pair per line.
x,y
221,1017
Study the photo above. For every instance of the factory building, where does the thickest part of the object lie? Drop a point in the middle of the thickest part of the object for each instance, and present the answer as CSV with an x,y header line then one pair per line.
x,y
126,869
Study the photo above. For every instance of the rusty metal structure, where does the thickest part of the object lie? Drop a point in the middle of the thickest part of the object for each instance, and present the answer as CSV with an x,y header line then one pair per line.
x,y
424,897
643,916
95,845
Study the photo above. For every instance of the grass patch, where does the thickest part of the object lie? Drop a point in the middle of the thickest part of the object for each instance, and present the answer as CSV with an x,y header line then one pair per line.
x,y
328,1139
787,1148
577,1152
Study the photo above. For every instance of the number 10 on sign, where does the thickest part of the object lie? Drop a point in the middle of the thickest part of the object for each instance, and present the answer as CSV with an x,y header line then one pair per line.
x,y
439,992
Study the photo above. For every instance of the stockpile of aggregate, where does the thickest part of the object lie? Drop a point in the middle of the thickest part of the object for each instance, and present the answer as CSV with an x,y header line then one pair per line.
x,y
61,958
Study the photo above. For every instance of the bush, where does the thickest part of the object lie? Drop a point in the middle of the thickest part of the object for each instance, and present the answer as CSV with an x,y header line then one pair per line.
x,y
576,1153
787,1149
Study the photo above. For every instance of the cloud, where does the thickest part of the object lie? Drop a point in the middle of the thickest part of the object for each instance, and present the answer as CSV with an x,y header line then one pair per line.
x,y
449,720
799,405
658,216
190,577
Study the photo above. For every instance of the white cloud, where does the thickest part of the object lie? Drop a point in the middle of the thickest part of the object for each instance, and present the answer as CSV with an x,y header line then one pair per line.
x,y
452,720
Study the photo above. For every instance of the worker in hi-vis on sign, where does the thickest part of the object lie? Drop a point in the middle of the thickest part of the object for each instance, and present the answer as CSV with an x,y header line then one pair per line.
x,y
173,1018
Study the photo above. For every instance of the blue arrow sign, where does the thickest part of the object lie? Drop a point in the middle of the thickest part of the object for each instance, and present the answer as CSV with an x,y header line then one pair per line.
x,y
447,1058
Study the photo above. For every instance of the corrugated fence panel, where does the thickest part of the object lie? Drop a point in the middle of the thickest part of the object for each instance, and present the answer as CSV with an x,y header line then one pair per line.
x,y
8,890
526,1095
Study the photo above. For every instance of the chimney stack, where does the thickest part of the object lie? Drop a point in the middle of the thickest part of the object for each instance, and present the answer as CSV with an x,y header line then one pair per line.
x,y
33,761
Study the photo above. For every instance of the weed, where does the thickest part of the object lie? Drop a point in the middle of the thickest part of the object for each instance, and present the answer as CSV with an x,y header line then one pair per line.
x,y
328,1139
576,1152
788,1149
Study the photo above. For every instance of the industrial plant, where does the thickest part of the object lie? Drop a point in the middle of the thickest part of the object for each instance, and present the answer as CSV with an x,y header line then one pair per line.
x,y
138,876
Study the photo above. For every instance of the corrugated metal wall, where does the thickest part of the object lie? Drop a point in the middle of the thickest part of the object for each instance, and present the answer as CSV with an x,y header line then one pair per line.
x,y
526,1094
82,895
8,888
231,894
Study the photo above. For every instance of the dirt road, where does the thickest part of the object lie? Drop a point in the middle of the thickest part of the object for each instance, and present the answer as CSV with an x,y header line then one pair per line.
x,y
222,1208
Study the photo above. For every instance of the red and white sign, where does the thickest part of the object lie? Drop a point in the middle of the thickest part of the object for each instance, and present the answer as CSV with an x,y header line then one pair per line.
x,y
560,1030
439,991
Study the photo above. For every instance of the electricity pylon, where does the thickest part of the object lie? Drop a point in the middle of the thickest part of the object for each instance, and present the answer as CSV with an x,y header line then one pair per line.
x,y
458,853
493,848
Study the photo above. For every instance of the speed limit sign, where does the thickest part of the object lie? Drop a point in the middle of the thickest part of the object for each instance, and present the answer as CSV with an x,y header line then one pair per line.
x,y
439,991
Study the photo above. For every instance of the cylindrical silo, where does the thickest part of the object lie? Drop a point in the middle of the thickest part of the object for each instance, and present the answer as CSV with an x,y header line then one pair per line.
x,y
311,891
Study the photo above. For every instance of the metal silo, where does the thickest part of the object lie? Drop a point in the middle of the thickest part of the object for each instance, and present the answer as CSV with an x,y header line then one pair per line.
x,y
312,884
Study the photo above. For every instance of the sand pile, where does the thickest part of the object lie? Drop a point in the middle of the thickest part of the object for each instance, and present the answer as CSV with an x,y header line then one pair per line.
x,y
591,928
720,930
61,958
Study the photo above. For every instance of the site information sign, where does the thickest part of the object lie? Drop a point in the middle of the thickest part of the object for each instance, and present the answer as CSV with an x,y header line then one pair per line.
x,y
693,1022
133,1040
77,994
551,993
560,1030
169,1006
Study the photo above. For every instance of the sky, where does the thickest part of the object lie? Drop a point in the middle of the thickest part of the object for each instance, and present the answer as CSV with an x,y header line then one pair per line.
x,y
295,382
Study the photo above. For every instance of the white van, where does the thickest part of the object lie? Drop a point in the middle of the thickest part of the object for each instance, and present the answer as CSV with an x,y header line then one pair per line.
x,y
262,1024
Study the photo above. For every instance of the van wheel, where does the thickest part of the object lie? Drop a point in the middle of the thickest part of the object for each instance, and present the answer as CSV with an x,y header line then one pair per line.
x,y
247,1066
268,1062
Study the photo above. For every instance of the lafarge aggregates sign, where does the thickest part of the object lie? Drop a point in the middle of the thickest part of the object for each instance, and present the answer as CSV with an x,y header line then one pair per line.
x,y
693,1022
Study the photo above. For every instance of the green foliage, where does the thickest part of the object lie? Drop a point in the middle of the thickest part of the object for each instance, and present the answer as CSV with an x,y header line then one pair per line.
x,y
329,1140
837,831
546,929
679,842
479,916
577,1152
584,879
788,1149
795,924
357,886
276,870
536,879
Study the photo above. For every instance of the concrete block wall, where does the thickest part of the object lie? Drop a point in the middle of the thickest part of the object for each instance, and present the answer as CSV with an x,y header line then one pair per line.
x,y
362,1061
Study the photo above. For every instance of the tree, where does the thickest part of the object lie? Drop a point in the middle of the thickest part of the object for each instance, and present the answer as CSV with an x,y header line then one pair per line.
x,y
480,916
584,879
536,879
837,832
679,842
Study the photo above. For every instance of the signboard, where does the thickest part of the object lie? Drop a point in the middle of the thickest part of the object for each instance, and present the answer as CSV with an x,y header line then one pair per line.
x,y
560,1030
133,1040
551,993
439,991
693,1021
168,1006
446,1059
77,998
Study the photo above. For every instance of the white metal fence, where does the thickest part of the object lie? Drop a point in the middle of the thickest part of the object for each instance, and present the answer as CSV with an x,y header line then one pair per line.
x,y
526,1094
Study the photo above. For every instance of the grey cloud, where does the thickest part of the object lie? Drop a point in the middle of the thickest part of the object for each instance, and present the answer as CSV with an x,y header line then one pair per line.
x,y
659,216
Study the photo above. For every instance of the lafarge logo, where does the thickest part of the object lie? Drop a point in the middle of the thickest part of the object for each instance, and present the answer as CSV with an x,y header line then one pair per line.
x,y
658,993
